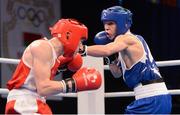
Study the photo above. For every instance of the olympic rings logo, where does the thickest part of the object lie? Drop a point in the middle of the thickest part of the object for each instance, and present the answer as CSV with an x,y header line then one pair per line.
x,y
36,17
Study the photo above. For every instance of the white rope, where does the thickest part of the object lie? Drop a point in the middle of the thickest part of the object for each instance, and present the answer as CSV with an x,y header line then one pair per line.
x,y
107,95
9,61
168,63
6,91
159,63
106,67
119,94
66,95
130,93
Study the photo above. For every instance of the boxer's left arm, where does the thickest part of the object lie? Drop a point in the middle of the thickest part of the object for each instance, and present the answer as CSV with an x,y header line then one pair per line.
x,y
114,65
115,69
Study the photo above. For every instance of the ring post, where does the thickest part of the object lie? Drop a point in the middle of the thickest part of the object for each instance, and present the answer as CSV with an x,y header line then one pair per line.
x,y
92,102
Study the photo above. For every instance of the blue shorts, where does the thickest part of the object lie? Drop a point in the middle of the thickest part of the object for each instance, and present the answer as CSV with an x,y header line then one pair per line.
x,y
161,104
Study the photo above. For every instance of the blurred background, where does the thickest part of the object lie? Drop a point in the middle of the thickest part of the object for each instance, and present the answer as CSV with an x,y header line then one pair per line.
x,y
23,21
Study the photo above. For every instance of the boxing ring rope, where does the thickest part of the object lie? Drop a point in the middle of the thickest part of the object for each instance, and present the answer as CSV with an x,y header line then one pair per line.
x,y
159,63
9,61
5,91
93,106
106,95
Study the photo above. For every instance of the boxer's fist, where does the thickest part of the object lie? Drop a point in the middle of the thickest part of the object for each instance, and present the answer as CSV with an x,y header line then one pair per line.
x,y
101,38
84,79
112,59
63,63
75,63
87,79
70,63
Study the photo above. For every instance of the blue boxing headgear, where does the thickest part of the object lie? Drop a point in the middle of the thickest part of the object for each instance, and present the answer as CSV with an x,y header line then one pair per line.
x,y
121,16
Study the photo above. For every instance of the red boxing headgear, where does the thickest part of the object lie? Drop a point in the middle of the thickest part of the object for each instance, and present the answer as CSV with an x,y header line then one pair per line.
x,y
69,32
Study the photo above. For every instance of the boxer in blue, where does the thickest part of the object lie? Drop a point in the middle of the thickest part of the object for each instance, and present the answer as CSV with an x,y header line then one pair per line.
x,y
134,62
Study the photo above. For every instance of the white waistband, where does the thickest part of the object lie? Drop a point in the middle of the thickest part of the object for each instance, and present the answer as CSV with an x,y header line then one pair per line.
x,y
155,89
23,93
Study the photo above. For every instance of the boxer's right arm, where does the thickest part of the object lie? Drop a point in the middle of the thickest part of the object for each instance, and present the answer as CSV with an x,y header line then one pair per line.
x,y
116,70
114,65
41,65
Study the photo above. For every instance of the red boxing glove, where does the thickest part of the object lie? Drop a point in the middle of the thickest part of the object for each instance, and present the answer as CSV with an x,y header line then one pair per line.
x,y
76,63
71,63
84,79
87,79
64,60
63,63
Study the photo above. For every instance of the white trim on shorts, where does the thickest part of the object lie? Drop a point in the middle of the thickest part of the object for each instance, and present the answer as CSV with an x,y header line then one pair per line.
x,y
154,89
23,93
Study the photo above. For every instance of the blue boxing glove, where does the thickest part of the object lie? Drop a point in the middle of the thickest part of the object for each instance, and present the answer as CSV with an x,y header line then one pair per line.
x,y
102,38
112,59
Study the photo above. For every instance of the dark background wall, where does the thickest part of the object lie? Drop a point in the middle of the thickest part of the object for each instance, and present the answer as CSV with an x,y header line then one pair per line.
x,y
157,23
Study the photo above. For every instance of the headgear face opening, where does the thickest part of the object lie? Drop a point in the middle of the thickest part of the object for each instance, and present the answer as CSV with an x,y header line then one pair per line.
x,y
70,32
121,16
